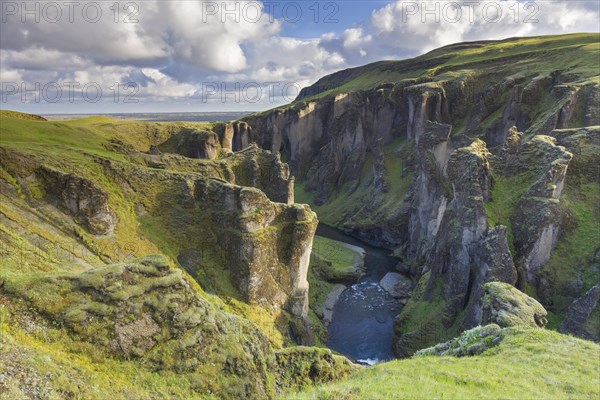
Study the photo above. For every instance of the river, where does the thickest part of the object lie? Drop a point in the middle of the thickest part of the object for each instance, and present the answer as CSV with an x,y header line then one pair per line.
x,y
363,317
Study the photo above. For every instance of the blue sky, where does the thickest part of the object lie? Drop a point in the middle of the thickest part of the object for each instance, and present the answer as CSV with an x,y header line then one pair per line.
x,y
192,55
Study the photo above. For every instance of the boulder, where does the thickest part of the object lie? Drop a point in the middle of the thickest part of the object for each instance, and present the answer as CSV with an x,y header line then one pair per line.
x,y
301,367
397,285
507,306
469,343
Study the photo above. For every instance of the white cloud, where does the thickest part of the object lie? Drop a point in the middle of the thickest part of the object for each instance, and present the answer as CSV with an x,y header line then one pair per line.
x,y
177,46
423,26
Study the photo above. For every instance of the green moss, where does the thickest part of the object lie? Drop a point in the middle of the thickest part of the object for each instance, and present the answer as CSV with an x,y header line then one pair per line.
x,y
572,257
301,367
506,192
422,322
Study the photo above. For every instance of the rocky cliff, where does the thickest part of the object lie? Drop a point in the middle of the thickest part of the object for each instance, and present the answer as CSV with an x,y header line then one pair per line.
x,y
81,201
459,161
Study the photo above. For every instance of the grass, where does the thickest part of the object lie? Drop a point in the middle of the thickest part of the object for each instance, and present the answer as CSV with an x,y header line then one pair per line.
x,y
341,259
523,365
506,192
577,53
65,369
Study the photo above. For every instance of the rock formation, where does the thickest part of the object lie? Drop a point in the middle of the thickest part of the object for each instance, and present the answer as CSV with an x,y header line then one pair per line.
x,y
80,197
506,306
147,311
477,164
583,316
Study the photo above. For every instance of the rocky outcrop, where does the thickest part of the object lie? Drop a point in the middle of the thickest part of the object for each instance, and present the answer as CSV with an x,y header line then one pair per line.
x,y
493,262
237,136
81,198
507,306
463,254
263,170
463,227
470,343
429,197
220,229
198,144
301,367
146,311
536,222
583,315
398,286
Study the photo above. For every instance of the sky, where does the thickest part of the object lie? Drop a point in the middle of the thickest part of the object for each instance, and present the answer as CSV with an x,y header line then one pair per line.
x,y
202,56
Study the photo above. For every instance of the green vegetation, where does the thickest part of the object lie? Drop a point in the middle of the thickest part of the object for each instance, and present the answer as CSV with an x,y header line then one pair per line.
x,y
506,192
341,261
301,367
469,343
576,249
574,52
523,365
422,321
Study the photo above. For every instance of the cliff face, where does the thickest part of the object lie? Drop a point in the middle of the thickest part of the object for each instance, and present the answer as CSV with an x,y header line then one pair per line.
x,y
81,214
226,217
263,247
462,170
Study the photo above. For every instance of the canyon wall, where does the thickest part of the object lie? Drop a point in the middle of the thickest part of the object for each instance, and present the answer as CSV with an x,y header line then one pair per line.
x,y
426,165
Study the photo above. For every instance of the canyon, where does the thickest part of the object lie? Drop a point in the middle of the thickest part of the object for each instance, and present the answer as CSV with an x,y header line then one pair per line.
x,y
185,256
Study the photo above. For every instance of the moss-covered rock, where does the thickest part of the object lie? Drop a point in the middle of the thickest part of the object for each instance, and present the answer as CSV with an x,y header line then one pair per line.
x,y
146,311
507,306
80,197
470,343
301,367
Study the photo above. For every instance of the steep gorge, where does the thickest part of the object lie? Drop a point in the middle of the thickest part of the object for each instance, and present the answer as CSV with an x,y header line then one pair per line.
x,y
462,168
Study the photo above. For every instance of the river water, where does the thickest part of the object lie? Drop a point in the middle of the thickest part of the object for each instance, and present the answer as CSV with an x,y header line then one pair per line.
x,y
363,317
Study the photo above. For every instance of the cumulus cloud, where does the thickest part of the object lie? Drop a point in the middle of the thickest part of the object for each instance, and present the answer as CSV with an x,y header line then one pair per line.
x,y
176,47
411,27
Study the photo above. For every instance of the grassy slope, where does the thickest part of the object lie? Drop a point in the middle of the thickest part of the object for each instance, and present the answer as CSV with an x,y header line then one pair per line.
x,y
47,244
574,52
524,365
342,258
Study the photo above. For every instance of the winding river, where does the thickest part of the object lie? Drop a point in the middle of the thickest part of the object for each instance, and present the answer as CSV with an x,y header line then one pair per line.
x,y
363,317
